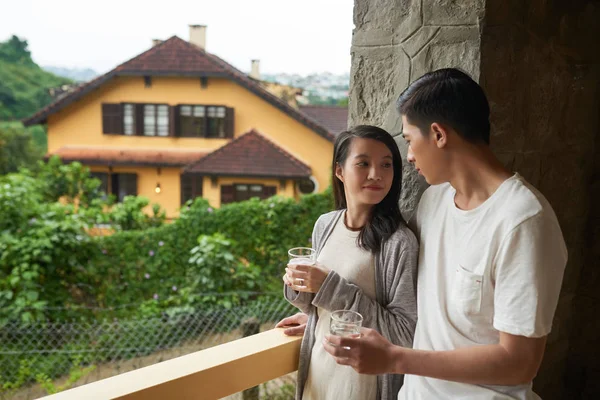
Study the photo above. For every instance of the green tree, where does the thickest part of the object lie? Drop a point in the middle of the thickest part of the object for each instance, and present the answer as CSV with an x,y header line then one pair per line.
x,y
17,149
15,50
23,84
343,102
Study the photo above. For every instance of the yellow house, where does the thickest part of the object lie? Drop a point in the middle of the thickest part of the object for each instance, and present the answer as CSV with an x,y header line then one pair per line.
x,y
177,122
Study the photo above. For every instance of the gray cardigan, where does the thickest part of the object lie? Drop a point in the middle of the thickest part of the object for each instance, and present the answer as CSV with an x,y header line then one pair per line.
x,y
393,314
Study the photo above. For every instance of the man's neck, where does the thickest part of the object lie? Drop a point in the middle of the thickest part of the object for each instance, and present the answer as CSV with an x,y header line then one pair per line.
x,y
476,175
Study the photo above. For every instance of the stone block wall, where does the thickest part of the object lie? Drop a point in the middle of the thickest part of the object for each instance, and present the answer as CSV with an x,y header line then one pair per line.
x,y
394,43
538,62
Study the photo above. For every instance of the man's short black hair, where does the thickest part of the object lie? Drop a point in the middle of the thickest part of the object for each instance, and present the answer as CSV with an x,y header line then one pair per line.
x,y
451,97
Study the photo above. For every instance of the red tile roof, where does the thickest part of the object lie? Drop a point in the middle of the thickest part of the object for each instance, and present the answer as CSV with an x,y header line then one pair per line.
x,y
334,118
128,156
173,57
251,155
176,57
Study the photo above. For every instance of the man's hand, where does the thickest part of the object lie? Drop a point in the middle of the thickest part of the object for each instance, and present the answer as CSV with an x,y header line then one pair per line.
x,y
513,361
370,353
295,325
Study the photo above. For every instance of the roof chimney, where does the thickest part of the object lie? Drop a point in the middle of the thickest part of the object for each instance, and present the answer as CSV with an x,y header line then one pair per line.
x,y
156,42
198,36
255,70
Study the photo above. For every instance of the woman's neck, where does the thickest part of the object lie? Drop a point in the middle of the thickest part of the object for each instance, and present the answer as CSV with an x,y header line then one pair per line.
x,y
357,216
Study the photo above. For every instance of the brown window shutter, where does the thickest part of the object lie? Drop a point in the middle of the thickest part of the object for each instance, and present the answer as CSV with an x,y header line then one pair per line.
x,y
186,188
174,121
130,181
191,187
112,118
139,119
269,191
124,185
227,194
133,186
229,122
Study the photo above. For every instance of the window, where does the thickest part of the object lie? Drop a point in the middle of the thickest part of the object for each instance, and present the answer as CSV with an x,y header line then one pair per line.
x,y
191,187
129,119
103,177
192,120
123,185
120,185
160,120
246,192
156,120
241,192
204,121
216,122
307,186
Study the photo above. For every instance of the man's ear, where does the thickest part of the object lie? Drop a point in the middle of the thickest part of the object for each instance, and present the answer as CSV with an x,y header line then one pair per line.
x,y
339,172
439,135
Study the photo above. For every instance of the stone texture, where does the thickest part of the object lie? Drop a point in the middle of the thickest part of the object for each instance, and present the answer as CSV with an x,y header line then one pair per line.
x,y
538,62
381,69
452,12
451,47
384,22
419,40
377,77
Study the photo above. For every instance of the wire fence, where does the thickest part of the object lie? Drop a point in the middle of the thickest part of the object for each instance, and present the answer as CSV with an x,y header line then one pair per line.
x,y
39,359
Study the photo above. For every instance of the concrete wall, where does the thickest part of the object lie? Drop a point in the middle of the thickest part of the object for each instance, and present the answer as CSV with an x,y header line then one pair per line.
x,y
539,67
538,63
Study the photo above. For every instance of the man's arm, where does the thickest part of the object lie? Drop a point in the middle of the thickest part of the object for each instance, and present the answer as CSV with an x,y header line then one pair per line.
x,y
513,361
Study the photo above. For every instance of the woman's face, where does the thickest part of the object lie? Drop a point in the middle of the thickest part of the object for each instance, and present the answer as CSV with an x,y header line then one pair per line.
x,y
367,173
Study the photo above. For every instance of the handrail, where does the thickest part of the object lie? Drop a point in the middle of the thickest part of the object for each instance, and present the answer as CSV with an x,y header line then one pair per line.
x,y
207,374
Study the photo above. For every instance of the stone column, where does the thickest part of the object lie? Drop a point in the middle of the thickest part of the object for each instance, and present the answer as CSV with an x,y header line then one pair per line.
x,y
538,62
395,42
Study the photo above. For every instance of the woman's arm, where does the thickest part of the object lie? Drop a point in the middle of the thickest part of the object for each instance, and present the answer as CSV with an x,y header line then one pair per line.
x,y
397,319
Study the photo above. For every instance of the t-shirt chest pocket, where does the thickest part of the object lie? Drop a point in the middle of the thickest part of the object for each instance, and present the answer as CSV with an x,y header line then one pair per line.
x,y
467,288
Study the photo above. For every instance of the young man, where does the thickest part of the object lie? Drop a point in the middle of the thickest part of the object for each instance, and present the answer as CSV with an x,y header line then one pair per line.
x,y
491,260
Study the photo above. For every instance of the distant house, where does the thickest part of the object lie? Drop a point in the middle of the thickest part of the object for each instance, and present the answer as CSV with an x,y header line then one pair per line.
x,y
333,118
177,122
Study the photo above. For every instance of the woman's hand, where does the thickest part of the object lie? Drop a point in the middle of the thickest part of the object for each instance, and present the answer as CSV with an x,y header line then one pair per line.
x,y
305,277
294,325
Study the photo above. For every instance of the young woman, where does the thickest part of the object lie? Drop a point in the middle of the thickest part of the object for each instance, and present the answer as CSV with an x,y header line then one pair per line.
x,y
366,261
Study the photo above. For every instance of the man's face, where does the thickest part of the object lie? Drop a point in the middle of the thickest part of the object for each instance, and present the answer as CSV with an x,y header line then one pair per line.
x,y
424,153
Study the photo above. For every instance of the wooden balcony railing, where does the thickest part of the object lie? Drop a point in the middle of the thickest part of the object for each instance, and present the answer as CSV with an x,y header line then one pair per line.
x,y
208,374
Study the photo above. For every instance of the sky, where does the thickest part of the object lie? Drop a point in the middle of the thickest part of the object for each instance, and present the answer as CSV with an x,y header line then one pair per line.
x,y
291,36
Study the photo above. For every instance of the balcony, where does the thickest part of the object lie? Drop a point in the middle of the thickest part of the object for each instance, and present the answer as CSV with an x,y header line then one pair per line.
x,y
213,373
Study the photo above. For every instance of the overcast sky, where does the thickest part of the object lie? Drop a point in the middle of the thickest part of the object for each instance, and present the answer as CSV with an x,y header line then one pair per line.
x,y
293,36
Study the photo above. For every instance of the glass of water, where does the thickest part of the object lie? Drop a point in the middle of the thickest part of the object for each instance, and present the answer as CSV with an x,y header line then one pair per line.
x,y
301,256
345,323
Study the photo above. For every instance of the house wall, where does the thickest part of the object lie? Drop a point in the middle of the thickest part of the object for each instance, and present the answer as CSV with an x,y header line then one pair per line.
x,y
80,124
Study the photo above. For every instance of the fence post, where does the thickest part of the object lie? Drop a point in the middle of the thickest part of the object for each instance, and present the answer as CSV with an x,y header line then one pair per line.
x,y
250,326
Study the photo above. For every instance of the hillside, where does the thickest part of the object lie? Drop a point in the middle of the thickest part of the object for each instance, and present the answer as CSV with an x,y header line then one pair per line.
x,y
23,84
77,74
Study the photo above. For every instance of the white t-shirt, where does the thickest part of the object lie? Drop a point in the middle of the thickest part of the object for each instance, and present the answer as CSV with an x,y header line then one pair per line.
x,y
498,267
326,379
